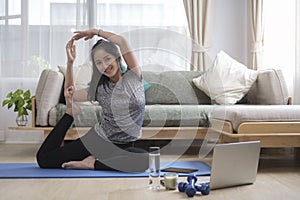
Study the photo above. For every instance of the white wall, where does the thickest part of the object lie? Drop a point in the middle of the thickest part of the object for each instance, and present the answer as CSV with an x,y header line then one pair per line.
x,y
230,29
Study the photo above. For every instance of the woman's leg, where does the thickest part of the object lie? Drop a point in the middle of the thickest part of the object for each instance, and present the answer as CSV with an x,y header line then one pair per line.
x,y
76,155
52,155
57,135
127,159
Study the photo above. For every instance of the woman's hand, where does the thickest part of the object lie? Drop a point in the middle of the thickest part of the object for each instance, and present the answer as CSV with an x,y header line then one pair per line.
x,y
72,107
88,34
68,93
71,51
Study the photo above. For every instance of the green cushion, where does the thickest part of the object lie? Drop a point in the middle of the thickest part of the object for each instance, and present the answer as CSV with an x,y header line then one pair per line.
x,y
155,115
174,87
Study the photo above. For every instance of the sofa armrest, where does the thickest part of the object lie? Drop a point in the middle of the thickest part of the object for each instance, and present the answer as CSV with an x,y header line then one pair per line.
x,y
269,89
47,94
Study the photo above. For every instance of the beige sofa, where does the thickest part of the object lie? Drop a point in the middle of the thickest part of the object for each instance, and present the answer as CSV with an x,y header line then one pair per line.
x,y
272,122
176,109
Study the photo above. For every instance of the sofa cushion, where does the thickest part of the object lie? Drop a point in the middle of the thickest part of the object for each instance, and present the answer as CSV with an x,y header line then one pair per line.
x,y
47,94
269,89
89,116
226,81
173,87
155,115
237,114
177,115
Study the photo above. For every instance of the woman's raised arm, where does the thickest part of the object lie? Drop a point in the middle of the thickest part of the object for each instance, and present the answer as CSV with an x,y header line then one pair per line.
x,y
79,95
126,52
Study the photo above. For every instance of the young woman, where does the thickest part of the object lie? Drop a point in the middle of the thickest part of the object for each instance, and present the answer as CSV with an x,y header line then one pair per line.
x,y
109,144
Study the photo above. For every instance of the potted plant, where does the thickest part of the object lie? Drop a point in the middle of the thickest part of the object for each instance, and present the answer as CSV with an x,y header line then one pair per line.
x,y
22,102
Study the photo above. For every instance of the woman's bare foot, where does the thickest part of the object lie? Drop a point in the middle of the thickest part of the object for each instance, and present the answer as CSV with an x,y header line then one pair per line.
x,y
87,163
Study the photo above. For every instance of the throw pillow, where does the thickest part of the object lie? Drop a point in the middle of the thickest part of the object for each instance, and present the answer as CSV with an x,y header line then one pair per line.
x,y
82,75
146,85
226,81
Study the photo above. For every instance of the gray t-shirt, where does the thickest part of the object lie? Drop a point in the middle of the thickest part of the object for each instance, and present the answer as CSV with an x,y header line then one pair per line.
x,y
123,106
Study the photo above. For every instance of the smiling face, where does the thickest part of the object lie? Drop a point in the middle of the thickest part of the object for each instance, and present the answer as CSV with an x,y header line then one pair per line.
x,y
107,64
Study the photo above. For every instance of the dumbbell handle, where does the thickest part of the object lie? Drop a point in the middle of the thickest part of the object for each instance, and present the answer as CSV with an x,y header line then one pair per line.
x,y
190,188
192,179
203,188
183,185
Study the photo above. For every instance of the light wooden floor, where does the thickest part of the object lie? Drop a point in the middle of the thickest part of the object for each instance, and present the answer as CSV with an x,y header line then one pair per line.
x,y
278,178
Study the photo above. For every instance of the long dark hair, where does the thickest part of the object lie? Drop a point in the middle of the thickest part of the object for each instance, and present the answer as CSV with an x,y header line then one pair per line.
x,y
97,77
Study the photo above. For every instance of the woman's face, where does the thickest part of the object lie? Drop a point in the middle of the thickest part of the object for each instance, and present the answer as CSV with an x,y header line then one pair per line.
x,y
107,64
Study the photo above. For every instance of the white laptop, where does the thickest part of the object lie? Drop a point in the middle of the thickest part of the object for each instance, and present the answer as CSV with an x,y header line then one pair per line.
x,y
234,164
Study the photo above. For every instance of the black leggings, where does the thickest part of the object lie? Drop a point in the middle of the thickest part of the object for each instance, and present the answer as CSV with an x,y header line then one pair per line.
x,y
110,156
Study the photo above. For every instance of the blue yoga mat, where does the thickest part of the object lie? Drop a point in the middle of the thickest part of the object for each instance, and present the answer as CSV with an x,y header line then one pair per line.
x,y
32,170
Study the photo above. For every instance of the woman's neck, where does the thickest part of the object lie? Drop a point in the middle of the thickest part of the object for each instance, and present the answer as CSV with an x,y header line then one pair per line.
x,y
116,77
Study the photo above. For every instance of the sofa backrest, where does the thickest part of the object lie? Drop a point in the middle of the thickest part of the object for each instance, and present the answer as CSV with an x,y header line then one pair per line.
x,y
174,87
269,89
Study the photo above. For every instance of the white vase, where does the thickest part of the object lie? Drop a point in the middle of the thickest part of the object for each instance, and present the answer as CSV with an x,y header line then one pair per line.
x,y
22,120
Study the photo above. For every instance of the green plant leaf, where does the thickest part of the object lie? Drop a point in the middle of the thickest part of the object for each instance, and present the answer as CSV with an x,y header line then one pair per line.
x,y
28,101
15,98
9,95
27,95
28,106
5,102
18,92
10,104
20,102
25,112
22,111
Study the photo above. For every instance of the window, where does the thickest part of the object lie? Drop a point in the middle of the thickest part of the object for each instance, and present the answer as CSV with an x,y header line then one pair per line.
x,y
279,38
33,33
10,12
